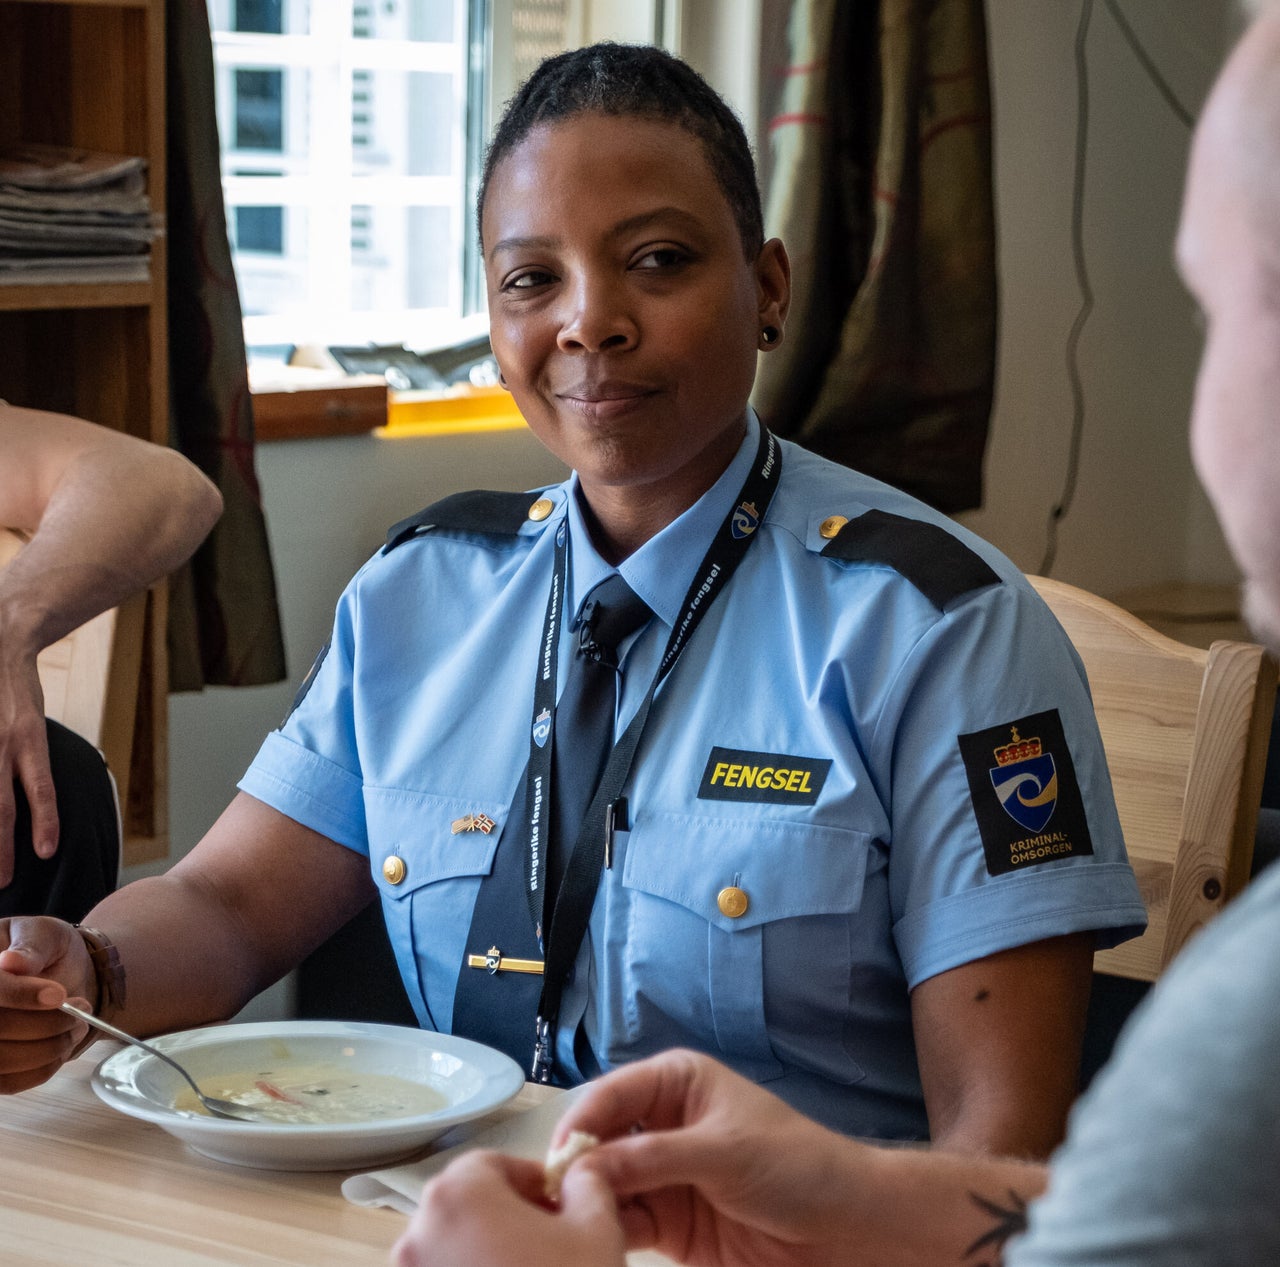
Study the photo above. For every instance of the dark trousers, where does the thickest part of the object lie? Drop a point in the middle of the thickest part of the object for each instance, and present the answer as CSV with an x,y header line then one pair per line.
x,y
87,865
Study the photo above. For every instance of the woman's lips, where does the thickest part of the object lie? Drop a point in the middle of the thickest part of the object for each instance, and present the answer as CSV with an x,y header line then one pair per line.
x,y
608,401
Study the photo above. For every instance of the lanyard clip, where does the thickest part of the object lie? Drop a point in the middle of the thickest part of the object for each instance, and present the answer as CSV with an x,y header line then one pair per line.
x,y
543,1057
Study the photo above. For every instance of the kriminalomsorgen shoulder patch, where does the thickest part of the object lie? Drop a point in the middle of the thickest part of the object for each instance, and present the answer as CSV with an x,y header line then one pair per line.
x,y
939,565
1025,794
481,510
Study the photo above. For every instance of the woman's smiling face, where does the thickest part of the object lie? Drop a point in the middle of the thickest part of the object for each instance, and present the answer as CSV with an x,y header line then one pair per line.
x,y
623,312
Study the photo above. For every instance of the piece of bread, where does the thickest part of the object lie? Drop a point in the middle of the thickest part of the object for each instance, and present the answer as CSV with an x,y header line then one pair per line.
x,y
558,1160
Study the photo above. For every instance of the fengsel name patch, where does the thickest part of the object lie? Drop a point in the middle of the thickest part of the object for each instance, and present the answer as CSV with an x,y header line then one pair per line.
x,y
1025,795
775,777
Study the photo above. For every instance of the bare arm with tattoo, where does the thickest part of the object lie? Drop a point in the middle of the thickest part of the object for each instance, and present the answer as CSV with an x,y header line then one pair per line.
x,y
721,1173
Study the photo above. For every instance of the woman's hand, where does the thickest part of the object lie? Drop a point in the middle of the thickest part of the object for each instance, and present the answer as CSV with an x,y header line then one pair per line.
x,y
487,1210
43,962
711,1170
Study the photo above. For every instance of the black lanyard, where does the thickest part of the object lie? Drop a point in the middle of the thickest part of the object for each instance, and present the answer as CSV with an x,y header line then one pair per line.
x,y
567,918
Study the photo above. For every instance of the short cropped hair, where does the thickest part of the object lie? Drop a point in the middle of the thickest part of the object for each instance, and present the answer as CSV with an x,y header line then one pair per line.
x,y
645,82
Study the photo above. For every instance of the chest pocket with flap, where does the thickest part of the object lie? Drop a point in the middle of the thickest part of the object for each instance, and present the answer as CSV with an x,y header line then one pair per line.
x,y
741,927
428,876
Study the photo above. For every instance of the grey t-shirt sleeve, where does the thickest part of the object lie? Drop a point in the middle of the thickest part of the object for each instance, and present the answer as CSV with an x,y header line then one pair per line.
x,y
1173,1156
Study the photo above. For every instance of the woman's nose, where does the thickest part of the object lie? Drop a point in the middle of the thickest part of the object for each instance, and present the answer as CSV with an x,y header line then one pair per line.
x,y
597,318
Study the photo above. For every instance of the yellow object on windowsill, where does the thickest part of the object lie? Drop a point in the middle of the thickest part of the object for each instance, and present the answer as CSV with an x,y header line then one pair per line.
x,y
459,409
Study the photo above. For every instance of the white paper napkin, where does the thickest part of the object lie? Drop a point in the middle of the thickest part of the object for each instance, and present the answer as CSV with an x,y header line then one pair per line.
x,y
523,1134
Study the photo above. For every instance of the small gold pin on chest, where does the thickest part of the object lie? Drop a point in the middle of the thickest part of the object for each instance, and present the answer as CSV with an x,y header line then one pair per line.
x,y
472,822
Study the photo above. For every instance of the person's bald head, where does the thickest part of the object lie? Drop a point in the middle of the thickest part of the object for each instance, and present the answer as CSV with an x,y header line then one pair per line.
x,y
1241,119
1229,256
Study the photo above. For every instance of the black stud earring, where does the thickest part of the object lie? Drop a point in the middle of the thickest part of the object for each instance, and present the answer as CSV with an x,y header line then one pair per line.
x,y
770,335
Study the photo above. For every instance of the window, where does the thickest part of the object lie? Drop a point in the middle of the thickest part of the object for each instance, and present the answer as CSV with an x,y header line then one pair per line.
x,y
352,133
259,229
344,128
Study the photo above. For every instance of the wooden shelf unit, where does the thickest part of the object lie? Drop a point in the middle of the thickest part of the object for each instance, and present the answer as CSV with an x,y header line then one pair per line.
x,y
92,73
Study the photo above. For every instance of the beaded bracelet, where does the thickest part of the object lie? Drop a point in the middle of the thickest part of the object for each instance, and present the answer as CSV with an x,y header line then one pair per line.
x,y
108,972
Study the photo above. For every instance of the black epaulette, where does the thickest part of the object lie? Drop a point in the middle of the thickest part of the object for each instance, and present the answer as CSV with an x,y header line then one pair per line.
x,y
498,514
307,681
939,565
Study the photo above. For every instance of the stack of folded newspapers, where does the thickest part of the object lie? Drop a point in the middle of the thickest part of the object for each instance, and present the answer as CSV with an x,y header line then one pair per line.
x,y
73,215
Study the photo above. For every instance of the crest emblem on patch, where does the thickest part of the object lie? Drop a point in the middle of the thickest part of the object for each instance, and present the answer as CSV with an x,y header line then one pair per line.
x,y
542,727
1025,781
1033,781
746,519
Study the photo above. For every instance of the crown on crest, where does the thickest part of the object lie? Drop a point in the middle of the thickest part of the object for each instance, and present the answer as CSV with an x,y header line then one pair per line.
x,y
1017,749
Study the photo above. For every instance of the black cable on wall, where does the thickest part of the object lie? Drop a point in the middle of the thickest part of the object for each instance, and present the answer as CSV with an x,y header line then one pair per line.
x,y
1065,499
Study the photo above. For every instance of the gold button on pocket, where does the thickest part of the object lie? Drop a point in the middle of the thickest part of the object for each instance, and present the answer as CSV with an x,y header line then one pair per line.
x,y
393,869
831,526
733,902
541,509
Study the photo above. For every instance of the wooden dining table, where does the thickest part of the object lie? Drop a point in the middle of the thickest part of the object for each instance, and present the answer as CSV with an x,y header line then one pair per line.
x,y
82,1185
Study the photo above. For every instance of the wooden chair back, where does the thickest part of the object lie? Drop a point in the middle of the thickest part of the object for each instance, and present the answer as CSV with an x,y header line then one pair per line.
x,y
90,678
1185,732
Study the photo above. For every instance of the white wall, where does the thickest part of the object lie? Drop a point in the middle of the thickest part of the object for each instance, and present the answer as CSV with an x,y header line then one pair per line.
x,y
1139,516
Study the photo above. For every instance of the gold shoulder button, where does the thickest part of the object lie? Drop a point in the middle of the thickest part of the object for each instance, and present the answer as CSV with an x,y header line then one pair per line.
x,y
541,509
830,527
733,902
393,869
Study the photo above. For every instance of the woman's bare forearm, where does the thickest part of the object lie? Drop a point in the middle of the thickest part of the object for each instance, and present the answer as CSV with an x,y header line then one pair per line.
x,y
242,909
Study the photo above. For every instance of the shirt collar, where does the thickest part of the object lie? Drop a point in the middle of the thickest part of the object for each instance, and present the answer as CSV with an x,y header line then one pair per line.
x,y
660,570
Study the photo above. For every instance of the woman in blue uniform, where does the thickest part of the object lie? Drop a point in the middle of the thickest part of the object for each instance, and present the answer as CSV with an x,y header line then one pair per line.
x,y
853,834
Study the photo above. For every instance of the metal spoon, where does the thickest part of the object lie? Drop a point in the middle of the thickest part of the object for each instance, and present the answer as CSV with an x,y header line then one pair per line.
x,y
219,1108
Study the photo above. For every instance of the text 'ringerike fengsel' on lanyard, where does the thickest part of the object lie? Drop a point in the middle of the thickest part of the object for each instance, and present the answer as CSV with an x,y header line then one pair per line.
x,y
564,919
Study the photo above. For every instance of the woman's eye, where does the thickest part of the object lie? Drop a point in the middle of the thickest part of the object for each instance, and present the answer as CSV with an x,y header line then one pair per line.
x,y
527,280
661,257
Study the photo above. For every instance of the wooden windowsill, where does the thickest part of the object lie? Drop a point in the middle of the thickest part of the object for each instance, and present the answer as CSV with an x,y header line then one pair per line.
x,y
306,404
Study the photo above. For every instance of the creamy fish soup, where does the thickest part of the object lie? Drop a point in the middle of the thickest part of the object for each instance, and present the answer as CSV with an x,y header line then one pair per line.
x,y
317,1094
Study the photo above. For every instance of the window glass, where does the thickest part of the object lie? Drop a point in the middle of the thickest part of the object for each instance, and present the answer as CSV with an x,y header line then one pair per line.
x,y
435,21
422,235
405,123
344,129
259,229
259,110
352,133
272,283
266,16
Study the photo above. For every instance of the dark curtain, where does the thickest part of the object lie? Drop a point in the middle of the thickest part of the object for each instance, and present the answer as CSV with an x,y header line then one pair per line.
x,y
880,185
224,623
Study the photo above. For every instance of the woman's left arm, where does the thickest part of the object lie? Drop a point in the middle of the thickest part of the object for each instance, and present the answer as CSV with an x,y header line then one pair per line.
x,y
998,1041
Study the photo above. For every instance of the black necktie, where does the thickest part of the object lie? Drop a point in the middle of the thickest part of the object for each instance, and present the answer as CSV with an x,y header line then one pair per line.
x,y
584,715
499,1008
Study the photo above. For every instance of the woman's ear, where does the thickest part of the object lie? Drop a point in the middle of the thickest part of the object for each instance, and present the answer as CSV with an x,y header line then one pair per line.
x,y
773,289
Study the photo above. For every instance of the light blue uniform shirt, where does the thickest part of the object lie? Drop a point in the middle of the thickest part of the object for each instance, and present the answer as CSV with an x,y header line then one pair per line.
x,y
805,750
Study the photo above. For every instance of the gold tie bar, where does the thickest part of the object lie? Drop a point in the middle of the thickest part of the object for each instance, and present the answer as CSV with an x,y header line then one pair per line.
x,y
496,961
